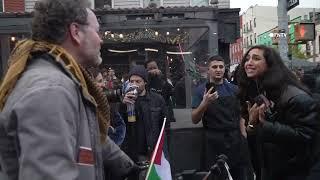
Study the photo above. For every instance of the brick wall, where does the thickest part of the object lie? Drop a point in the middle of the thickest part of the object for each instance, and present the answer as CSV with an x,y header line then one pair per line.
x,y
14,5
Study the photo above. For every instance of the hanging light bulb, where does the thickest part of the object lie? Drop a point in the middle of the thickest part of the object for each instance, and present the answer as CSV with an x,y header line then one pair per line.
x,y
107,32
13,38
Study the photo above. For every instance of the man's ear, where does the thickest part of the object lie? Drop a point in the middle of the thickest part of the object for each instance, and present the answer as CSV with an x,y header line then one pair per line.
x,y
74,32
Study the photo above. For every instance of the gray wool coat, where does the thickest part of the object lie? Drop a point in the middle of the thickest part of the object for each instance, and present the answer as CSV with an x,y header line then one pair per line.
x,y
49,131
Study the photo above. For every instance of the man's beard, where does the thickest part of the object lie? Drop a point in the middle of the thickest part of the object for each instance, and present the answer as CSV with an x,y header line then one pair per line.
x,y
90,60
97,60
141,91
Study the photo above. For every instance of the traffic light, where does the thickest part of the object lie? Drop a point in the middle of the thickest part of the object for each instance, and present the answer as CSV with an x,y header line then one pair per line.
x,y
304,32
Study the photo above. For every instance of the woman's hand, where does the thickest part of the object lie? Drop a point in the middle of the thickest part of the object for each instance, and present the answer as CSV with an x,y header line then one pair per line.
x,y
262,109
256,114
243,127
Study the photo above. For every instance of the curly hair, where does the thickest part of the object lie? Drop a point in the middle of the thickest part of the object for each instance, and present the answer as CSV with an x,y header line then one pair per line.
x,y
52,18
274,81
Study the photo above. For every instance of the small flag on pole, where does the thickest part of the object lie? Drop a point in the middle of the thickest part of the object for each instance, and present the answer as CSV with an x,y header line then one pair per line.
x,y
159,167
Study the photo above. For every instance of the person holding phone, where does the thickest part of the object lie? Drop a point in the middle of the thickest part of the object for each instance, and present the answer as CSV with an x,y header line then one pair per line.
x,y
216,105
282,117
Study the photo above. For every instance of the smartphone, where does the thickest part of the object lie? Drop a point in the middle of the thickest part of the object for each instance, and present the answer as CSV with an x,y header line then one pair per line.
x,y
261,99
209,85
258,100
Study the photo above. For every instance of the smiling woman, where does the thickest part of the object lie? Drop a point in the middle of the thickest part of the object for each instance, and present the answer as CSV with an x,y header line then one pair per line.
x,y
282,128
255,64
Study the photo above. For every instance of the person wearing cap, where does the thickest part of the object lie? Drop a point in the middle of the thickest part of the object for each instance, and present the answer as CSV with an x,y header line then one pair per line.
x,y
150,111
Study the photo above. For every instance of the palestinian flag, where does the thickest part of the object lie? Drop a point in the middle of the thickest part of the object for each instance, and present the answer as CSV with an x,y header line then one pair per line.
x,y
159,168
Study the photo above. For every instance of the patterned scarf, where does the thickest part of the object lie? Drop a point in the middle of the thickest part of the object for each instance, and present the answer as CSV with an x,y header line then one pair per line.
x,y
17,65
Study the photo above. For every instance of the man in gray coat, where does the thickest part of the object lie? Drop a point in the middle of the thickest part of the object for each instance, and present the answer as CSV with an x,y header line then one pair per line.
x,y
53,119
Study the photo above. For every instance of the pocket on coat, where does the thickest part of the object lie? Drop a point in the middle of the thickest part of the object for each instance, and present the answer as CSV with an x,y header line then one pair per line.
x,y
155,115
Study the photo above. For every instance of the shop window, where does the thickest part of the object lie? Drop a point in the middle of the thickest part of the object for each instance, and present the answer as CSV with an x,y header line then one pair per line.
x,y
151,3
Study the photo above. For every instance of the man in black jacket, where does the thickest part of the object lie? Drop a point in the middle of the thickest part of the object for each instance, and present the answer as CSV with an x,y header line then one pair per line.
x,y
158,82
150,111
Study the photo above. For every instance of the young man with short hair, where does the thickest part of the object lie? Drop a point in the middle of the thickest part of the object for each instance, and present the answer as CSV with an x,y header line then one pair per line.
x,y
216,105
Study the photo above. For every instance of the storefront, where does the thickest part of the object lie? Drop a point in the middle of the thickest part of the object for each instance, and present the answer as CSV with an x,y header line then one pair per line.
x,y
13,26
180,38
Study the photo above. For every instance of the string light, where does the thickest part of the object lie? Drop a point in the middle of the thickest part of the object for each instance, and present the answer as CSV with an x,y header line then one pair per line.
x,y
150,49
107,32
13,38
122,51
178,53
146,34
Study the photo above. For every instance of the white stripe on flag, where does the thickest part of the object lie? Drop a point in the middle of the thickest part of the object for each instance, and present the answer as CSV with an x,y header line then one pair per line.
x,y
163,170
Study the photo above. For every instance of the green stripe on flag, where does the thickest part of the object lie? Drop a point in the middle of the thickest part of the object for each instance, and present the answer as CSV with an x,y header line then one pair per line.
x,y
153,174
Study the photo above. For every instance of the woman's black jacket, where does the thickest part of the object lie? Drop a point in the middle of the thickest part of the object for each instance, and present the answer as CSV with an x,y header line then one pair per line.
x,y
288,142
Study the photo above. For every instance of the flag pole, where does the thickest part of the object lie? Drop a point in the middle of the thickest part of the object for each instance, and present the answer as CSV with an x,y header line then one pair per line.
x,y
156,148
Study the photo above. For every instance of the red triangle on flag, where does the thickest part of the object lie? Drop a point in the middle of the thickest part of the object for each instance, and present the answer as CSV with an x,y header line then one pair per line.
x,y
157,159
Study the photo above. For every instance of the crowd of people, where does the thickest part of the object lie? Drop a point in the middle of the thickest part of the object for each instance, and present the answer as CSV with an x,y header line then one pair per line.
x,y
62,119
152,103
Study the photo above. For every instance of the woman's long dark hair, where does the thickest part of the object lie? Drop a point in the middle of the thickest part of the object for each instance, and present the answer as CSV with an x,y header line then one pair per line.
x,y
274,81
